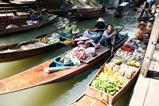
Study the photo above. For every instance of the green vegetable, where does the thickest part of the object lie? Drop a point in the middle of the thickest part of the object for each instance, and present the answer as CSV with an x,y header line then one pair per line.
x,y
105,83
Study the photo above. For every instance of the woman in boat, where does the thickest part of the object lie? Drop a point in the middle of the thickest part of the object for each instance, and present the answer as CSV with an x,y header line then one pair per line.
x,y
75,33
44,15
142,29
109,37
100,25
69,28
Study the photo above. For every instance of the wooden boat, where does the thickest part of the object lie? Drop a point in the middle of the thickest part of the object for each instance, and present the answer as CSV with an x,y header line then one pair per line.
x,y
121,9
26,48
37,76
82,13
22,24
94,97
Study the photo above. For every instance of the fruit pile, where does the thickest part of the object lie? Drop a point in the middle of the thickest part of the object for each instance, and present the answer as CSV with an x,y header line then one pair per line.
x,y
79,54
128,53
127,48
113,77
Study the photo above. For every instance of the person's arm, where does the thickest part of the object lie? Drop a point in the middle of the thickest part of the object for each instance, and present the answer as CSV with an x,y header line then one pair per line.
x,y
112,34
105,34
137,35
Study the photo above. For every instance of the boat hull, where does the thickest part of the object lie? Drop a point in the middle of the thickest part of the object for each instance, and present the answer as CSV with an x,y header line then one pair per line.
x,y
102,98
27,27
37,76
20,54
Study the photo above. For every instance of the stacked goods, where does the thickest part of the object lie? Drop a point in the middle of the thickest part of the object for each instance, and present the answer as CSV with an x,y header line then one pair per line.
x,y
69,41
113,77
128,53
53,39
79,54
127,48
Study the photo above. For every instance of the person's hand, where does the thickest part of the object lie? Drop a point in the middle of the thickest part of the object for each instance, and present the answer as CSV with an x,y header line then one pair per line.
x,y
97,46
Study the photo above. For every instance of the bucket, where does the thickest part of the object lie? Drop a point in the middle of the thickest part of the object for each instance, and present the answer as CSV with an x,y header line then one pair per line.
x,y
57,63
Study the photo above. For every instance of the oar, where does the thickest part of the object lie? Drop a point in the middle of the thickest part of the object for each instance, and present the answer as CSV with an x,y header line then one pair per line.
x,y
52,69
45,21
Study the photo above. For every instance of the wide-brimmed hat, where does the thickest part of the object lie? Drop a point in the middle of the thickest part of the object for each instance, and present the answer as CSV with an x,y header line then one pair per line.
x,y
44,10
142,23
80,42
75,31
100,19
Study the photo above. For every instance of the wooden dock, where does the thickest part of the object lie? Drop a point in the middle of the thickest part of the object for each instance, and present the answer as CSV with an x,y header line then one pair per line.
x,y
146,89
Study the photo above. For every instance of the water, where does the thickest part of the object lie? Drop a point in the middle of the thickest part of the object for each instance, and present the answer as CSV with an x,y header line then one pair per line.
x,y
61,93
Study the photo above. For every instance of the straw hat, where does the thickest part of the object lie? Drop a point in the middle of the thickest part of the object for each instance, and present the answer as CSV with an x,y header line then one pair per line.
x,y
142,23
44,10
80,42
76,31
100,19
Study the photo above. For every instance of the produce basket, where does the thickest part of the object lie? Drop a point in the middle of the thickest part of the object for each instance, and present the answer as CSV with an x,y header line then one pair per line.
x,y
105,97
57,63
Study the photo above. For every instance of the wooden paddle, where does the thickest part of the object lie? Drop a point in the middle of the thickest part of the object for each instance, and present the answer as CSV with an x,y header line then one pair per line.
x,y
47,19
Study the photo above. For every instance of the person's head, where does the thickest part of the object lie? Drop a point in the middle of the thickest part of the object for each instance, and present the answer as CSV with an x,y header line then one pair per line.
x,y
100,20
79,43
76,31
142,25
66,21
30,11
44,10
110,27
88,44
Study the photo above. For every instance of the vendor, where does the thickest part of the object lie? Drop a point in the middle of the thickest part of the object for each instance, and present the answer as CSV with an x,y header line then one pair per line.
x,y
100,25
69,28
142,29
44,15
75,33
109,37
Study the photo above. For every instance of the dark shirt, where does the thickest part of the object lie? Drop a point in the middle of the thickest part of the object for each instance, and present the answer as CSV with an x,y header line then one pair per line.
x,y
101,26
32,17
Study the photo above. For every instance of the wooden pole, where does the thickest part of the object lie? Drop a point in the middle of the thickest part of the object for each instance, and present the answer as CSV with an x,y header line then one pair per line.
x,y
151,47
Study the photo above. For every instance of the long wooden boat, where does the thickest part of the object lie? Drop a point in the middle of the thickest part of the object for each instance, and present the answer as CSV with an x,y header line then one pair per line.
x,y
123,74
121,9
94,97
27,48
82,13
22,23
37,76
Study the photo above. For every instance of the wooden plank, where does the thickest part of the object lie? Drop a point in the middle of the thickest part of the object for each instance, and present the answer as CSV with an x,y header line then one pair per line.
x,y
151,47
152,94
139,92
